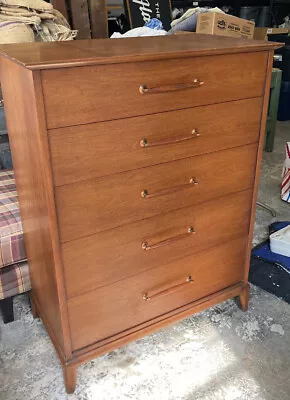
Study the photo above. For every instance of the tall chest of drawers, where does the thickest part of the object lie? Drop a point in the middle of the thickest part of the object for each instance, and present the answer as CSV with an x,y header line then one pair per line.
x,y
137,164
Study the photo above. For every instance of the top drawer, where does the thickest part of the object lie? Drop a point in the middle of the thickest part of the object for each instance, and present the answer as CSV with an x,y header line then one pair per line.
x,y
83,95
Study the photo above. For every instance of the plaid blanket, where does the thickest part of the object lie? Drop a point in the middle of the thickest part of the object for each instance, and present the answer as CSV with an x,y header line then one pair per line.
x,y
14,279
11,234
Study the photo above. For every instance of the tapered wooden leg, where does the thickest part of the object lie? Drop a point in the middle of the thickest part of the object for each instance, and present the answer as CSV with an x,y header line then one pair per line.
x,y
33,308
6,306
244,297
70,377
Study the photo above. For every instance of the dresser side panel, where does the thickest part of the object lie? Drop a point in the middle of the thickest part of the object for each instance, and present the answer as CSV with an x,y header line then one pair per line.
x,y
27,134
264,113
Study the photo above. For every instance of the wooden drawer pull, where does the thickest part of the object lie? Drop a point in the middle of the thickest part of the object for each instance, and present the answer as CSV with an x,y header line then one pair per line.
x,y
143,89
144,141
145,193
146,296
146,246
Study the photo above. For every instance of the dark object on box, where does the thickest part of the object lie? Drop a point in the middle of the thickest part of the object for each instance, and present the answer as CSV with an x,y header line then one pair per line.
x,y
270,271
261,15
141,11
284,52
284,102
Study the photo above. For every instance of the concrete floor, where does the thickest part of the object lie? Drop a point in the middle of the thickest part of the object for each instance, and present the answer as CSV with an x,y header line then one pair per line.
x,y
220,354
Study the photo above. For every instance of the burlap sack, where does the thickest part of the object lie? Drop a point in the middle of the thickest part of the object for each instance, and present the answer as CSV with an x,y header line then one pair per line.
x,y
59,18
24,12
30,4
17,11
15,32
33,20
46,15
49,31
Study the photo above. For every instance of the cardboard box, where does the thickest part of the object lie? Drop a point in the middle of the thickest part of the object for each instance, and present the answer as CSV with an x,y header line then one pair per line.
x,y
262,33
224,25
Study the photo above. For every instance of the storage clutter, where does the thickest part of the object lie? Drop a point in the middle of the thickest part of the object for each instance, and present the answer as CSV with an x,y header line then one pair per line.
x,y
200,20
32,20
188,21
280,242
282,61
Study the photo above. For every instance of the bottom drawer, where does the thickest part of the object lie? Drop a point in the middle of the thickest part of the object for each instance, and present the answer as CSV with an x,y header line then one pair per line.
x,y
117,307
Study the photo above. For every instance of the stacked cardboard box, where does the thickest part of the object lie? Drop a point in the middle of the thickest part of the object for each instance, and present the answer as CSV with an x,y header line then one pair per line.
x,y
225,25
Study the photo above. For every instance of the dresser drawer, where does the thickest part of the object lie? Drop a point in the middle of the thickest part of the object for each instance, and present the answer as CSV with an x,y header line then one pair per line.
x,y
94,150
83,95
99,204
110,256
153,293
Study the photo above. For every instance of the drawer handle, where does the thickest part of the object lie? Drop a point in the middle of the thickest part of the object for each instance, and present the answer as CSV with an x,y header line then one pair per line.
x,y
145,193
146,246
172,289
143,89
144,141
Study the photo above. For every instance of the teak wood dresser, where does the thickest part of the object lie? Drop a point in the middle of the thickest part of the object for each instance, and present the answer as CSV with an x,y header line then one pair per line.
x,y
137,164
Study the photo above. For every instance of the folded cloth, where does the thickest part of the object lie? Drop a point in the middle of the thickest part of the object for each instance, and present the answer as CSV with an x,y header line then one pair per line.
x,y
187,14
192,15
188,24
137,32
154,23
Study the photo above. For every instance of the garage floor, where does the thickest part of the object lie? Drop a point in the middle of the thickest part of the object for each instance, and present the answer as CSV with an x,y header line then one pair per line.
x,y
220,354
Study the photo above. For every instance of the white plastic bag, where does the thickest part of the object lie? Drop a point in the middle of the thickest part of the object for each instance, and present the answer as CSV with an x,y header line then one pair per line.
x,y
138,32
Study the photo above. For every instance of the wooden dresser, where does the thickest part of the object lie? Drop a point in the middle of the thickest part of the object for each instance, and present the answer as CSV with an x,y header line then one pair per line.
x,y
137,164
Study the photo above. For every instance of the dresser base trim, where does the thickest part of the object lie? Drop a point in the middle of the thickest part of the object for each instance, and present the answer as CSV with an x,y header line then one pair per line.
x,y
114,342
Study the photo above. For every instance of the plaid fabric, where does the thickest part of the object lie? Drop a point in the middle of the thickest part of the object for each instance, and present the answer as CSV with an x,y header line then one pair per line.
x,y
11,235
14,280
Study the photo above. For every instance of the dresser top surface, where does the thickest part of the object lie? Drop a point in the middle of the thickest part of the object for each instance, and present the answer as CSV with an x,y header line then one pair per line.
x,y
107,51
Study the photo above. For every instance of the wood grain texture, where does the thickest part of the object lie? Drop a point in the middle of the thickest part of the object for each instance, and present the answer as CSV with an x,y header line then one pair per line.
x,y
90,314
70,377
244,297
27,134
267,76
84,152
49,329
92,289
110,344
110,256
61,6
239,76
33,306
107,51
80,18
98,18
91,206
